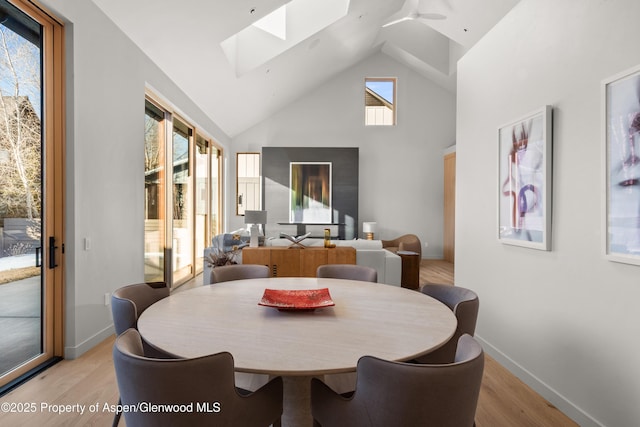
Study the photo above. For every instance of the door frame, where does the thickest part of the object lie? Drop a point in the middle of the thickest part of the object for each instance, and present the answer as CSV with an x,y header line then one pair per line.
x,y
53,167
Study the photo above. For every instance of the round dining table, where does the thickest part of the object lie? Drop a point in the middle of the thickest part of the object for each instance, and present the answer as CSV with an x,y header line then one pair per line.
x,y
298,343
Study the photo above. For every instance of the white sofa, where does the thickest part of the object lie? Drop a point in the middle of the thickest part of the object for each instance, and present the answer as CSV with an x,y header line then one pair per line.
x,y
368,252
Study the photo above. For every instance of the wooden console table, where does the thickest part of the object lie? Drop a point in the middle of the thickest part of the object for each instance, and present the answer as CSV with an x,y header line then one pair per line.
x,y
297,262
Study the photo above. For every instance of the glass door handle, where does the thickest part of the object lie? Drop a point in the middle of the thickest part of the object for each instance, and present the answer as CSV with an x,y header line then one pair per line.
x,y
39,256
52,252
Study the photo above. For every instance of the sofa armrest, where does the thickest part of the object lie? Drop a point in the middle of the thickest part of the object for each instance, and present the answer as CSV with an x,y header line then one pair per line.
x,y
387,264
374,259
393,268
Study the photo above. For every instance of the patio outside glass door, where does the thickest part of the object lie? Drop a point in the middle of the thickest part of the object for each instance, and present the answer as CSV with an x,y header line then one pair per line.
x,y
30,190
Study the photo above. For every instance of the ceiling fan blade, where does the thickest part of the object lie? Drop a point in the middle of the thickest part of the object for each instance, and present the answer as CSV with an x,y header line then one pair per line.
x,y
408,11
397,21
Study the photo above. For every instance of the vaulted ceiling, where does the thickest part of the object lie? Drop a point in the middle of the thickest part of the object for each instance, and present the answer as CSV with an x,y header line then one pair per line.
x,y
187,40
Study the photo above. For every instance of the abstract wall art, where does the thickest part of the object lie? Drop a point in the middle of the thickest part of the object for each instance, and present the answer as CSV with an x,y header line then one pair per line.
x,y
310,186
524,187
621,102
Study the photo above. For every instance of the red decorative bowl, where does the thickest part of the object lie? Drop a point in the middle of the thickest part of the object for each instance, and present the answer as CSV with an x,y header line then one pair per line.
x,y
296,299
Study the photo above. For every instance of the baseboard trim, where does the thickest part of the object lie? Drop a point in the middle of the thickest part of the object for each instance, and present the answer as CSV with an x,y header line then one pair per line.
x,y
559,401
88,344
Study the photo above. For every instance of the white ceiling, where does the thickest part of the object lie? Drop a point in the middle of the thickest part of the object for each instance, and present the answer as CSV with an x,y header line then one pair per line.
x,y
184,38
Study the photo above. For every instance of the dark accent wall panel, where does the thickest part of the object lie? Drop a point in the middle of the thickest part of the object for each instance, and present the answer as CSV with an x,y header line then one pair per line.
x,y
344,170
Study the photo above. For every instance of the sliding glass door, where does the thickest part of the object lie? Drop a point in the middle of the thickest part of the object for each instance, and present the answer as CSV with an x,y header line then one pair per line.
x,y
182,226
215,194
177,232
202,208
31,171
154,188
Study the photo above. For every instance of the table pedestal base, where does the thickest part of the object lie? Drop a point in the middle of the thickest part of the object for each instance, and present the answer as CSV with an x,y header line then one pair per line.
x,y
297,402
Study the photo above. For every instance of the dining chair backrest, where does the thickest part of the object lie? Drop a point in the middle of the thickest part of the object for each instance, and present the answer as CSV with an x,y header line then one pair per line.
x,y
128,303
404,394
348,271
227,273
465,305
198,392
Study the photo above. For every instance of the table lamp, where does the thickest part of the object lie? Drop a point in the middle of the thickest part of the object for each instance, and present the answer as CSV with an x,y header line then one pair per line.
x,y
254,218
369,229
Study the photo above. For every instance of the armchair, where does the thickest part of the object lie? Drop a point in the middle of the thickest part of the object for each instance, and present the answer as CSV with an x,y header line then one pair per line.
x,y
406,242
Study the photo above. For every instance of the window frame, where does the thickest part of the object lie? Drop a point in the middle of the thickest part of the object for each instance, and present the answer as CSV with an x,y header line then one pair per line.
x,y
259,176
394,103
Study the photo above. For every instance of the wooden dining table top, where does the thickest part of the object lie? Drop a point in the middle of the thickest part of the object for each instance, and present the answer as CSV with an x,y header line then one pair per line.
x,y
374,319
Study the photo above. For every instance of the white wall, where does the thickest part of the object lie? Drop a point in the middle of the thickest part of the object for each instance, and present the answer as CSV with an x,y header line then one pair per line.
x,y
564,320
401,167
106,79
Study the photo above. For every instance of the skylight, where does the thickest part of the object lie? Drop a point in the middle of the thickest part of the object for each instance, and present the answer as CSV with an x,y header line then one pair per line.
x,y
280,30
275,23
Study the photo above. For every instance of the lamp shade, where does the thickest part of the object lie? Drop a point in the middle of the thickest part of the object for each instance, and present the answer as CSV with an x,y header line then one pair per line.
x,y
255,217
369,227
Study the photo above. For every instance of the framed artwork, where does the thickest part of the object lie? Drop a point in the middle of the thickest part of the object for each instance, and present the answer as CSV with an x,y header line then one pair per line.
x,y
524,187
310,193
621,103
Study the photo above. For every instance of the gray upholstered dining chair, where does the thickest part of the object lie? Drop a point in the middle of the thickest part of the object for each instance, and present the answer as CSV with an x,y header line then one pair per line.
x,y
465,304
202,389
405,394
348,271
127,304
363,273
226,273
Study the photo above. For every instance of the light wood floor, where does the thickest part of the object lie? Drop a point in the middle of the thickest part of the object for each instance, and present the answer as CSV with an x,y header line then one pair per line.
x,y
436,271
90,380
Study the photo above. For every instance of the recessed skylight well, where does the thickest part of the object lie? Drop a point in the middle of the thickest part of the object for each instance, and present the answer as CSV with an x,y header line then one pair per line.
x,y
274,23
280,30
